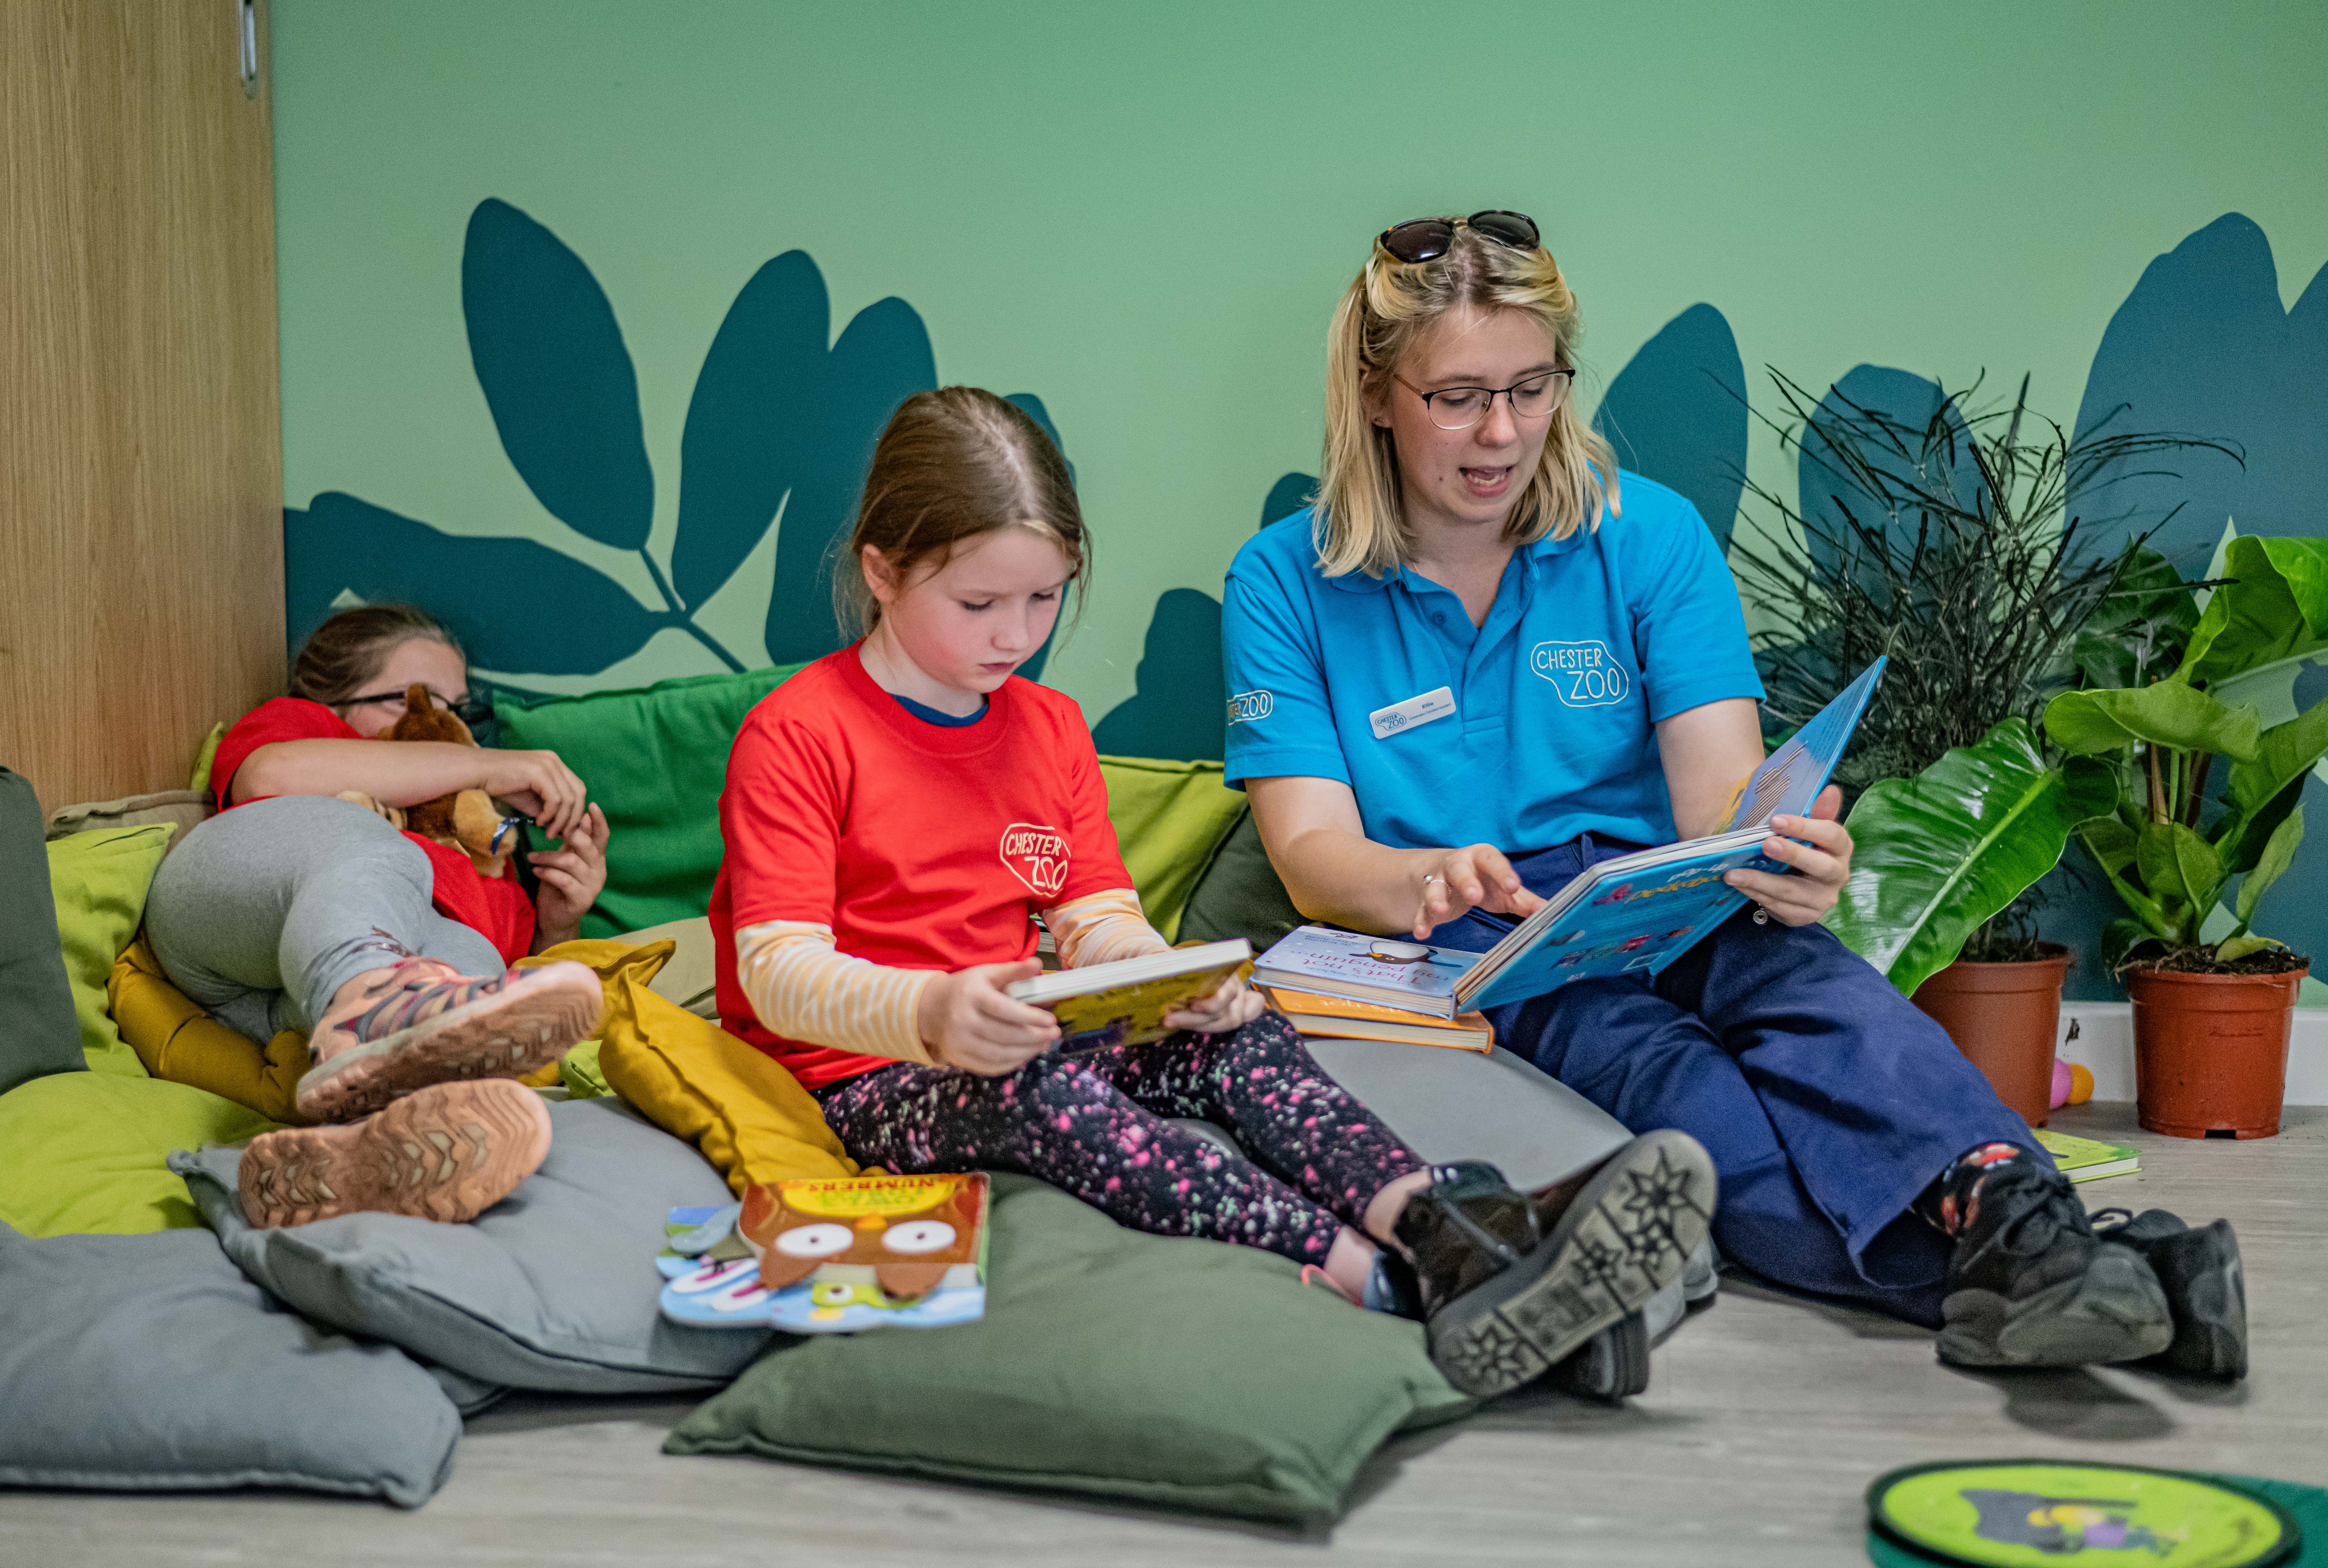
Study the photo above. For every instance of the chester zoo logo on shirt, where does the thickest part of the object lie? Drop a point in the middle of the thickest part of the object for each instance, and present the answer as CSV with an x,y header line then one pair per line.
x,y
1038,856
1247,706
1585,674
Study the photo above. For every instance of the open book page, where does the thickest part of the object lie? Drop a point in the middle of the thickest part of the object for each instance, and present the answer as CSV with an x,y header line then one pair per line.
x,y
1789,780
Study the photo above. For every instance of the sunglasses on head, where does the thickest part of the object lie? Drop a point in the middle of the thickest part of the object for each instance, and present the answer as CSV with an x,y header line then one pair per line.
x,y
1429,239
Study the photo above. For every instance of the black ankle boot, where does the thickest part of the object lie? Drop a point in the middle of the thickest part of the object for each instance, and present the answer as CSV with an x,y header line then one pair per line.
x,y
2031,1284
1511,1285
2206,1289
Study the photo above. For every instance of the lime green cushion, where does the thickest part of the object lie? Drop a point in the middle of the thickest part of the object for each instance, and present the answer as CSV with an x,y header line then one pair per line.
x,y
1170,818
85,1151
99,880
1109,1363
655,759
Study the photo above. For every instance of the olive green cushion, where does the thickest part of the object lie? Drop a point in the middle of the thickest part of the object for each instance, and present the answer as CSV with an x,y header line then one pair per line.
x,y
656,759
98,880
1110,1364
85,1151
1240,894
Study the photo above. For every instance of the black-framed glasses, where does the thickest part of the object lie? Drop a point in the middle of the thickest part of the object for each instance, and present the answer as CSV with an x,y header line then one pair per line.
x,y
1461,408
1429,239
471,710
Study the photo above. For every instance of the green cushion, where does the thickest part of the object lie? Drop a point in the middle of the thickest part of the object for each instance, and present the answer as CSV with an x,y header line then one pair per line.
x,y
99,880
1169,819
85,1151
1240,894
1109,1363
655,759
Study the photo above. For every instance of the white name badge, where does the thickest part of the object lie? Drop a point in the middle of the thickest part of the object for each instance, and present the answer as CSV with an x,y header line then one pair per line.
x,y
1424,710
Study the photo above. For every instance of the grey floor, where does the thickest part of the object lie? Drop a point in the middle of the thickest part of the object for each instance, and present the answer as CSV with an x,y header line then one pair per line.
x,y
1767,1418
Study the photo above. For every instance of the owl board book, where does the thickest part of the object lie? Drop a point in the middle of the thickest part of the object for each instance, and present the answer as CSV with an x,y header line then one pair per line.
x,y
832,1255
1634,913
1124,1003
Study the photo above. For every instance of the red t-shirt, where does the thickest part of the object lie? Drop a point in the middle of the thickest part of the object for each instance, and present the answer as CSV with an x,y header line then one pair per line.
x,y
924,846
495,907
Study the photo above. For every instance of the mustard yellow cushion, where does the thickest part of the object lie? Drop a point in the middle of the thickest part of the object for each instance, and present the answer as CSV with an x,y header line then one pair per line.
x,y
99,880
84,1151
742,1113
178,1041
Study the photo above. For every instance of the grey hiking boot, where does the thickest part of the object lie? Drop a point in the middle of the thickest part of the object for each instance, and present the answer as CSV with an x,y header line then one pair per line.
x,y
1511,1284
2032,1285
2205,1286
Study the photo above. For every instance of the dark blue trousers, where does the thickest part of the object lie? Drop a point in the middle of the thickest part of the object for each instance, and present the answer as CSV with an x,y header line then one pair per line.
x,y
1827,1102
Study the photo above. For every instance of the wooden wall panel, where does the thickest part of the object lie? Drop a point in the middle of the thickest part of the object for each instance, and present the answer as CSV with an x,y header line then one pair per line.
x,y
141,532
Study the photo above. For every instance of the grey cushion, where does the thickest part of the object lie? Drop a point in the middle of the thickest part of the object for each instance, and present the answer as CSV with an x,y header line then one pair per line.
x,y
149,1362
1240,894
552,1288
39,1033
1463,1105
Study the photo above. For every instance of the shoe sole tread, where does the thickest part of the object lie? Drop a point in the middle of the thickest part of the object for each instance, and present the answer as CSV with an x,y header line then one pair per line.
x,y
447,1153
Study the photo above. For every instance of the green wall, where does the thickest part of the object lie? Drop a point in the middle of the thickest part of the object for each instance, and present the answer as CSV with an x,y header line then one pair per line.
x,y
1143,216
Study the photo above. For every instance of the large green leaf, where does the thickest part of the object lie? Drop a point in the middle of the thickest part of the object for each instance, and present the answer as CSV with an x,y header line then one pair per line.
x,y
2278,854
2145,909
2274,608
2284,753
2177,863
1937,854
2087,723
2140,629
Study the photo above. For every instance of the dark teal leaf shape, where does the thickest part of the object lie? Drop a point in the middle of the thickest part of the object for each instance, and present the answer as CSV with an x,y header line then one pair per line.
x,y
1676,413
1290,494
1033,408
882,359
749,423
515,605
1179,704
551,359
1914,441
2202,347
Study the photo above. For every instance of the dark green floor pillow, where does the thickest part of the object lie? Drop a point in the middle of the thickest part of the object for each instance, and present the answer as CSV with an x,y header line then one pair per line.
x,y
1180,1373
655,757
1240,894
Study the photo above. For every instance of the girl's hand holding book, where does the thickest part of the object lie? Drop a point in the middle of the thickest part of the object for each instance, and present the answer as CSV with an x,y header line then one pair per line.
x,y
1232,1006
968,1021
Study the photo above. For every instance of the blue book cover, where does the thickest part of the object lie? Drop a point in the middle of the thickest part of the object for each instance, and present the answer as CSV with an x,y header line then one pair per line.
x,y
1640,912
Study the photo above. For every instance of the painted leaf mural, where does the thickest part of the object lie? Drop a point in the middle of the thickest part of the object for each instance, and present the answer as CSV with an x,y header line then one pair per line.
x,y
1676,414
779,428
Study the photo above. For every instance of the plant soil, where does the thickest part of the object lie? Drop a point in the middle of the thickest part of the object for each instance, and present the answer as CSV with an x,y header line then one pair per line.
x,y
2202,961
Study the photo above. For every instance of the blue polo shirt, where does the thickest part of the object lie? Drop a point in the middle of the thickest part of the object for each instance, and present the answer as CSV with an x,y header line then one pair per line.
x,y
1592,640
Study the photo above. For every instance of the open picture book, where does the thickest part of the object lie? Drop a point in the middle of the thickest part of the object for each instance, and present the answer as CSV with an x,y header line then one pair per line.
x,y
1634,913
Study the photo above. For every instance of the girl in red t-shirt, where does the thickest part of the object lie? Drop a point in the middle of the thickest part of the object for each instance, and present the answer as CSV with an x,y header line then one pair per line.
x,y
897,813
303,906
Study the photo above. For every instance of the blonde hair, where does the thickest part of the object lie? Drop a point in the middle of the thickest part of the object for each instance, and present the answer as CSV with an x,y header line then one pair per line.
x,y
1360,521
951,465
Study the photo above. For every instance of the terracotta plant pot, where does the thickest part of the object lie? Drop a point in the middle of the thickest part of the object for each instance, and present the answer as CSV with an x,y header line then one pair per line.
x,y
2210,1050
2004,1017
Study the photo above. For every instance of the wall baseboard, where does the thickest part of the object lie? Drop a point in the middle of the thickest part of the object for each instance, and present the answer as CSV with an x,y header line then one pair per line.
x,y
2105,1047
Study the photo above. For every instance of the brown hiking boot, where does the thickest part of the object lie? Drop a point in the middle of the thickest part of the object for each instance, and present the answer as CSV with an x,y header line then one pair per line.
x,y
428,1024
446,1152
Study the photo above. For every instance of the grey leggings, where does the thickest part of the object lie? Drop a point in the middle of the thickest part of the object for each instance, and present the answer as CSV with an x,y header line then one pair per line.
x,y
266,910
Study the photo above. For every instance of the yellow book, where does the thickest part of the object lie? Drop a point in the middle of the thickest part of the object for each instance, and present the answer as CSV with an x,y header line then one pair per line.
x,y
1124,1003
2088,1159
1347,1018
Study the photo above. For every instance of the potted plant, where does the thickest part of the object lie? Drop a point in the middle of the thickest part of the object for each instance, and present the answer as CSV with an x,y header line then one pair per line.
x,y
1944,541
2211,1016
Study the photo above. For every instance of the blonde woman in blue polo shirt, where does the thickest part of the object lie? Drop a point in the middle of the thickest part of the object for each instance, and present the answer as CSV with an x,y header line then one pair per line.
x,y
1486,658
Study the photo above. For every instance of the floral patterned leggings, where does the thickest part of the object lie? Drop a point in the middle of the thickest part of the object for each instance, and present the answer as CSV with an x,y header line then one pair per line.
x,y
1093,1123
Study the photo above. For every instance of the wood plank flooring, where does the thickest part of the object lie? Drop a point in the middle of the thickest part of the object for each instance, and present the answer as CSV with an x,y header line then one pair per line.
x,y
1768,1417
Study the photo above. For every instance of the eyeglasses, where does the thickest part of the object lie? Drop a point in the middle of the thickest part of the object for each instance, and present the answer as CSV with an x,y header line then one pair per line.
x,y
469,711
1461,408
1429,239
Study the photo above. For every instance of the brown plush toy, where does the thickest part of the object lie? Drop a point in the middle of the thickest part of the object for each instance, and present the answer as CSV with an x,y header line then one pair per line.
x,y
467,820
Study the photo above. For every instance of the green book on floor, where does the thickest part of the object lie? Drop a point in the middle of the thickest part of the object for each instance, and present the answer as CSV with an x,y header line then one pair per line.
x,y
2088,1159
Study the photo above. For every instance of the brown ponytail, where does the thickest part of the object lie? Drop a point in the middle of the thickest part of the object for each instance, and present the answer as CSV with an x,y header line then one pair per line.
x,y
343,655
951,465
